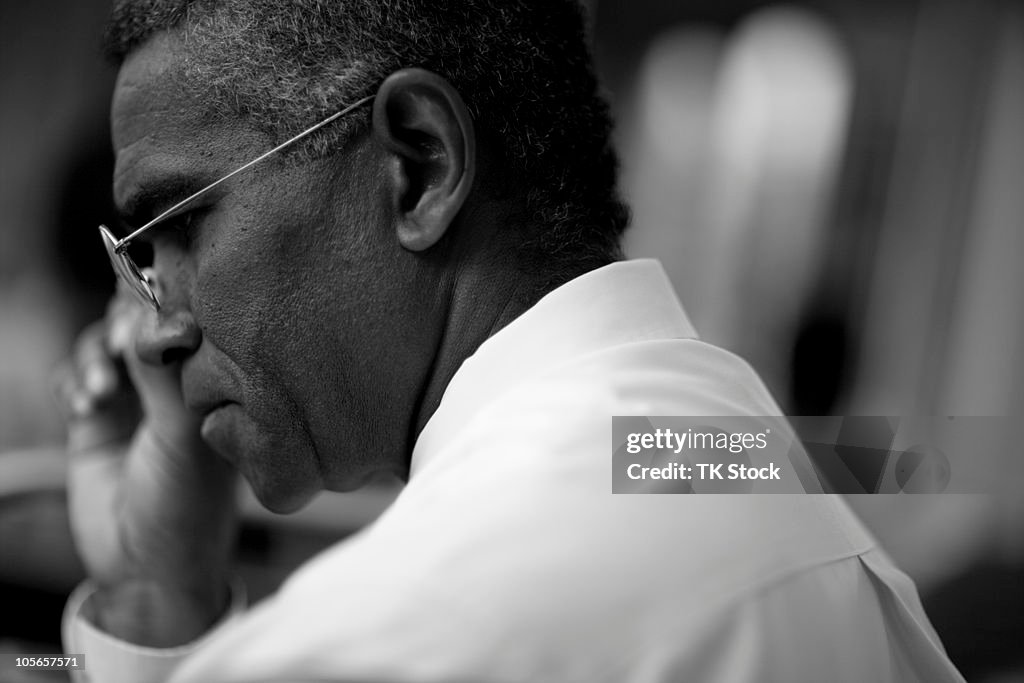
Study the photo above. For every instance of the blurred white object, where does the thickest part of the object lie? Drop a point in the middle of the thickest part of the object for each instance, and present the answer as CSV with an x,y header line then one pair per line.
x,y
730,167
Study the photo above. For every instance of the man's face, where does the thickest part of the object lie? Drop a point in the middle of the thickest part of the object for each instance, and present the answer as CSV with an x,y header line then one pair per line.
x,y
282,292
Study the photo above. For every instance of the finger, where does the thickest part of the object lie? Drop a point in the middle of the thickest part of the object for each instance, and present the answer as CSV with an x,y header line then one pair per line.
x,y
95,467
98,430
93,505
95,364
159,386
72,396
122,315
95,425
95,395
65,393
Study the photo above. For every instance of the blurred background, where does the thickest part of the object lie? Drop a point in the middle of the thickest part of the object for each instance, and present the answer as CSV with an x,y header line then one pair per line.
x,y
836,188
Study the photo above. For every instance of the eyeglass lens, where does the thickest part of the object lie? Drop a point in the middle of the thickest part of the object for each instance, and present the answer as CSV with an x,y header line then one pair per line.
x,y
126,269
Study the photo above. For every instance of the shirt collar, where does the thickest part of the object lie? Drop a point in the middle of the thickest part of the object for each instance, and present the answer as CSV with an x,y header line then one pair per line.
x,y
624,302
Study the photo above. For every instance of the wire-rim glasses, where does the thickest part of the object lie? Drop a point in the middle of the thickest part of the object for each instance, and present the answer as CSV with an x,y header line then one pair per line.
x,y
126,269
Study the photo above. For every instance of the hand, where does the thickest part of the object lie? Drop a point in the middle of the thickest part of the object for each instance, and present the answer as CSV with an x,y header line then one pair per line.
x,y
152,507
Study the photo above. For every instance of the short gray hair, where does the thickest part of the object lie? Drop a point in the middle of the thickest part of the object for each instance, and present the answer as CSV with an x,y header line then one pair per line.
x,y
522,67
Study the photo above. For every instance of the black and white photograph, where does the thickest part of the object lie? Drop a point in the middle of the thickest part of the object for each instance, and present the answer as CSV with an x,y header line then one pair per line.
x,y
511,341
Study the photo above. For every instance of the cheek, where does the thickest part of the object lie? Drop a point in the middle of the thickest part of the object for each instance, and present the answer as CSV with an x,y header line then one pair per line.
x,y
259,302
234,283
295,301
279,258
249,327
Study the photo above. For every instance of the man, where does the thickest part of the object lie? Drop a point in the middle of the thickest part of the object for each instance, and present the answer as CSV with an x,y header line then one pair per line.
x,y
428,284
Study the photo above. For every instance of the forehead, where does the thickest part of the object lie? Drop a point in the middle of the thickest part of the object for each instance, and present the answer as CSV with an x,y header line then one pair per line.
x,y
161,130
148,88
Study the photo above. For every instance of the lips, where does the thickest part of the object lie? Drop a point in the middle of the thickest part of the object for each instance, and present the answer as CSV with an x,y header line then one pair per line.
x,y
209,393
217,430
206,409
204,406
201,394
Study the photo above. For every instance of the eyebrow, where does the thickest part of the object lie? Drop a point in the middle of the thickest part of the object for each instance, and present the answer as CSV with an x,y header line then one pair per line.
x,y
154,195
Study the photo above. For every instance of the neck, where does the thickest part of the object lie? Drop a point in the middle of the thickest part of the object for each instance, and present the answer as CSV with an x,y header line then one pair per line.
x,y
483,300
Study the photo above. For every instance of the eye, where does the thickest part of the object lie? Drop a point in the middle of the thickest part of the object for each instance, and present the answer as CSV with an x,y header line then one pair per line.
x,y
184,224
181,228
141,252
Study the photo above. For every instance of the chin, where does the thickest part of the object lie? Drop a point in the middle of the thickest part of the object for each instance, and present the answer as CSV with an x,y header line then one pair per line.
x,y
281,485
279,464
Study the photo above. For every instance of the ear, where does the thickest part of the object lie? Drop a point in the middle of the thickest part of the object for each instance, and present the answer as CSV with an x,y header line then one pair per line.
x,y
424,126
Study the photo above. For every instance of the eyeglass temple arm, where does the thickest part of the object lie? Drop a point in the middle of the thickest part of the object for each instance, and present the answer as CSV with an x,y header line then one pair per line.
x,y
123,242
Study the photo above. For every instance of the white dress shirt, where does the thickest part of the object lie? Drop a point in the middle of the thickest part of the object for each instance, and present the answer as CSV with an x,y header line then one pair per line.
x,y
507,558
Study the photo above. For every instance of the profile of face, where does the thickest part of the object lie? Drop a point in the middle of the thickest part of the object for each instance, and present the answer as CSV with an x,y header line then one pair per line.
x,y
299,297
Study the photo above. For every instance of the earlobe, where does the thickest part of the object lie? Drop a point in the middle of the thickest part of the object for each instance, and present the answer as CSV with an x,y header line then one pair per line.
x,y
424,126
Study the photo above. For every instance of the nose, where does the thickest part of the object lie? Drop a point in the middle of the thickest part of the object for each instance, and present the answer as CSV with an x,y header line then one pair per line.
x,y
170,335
